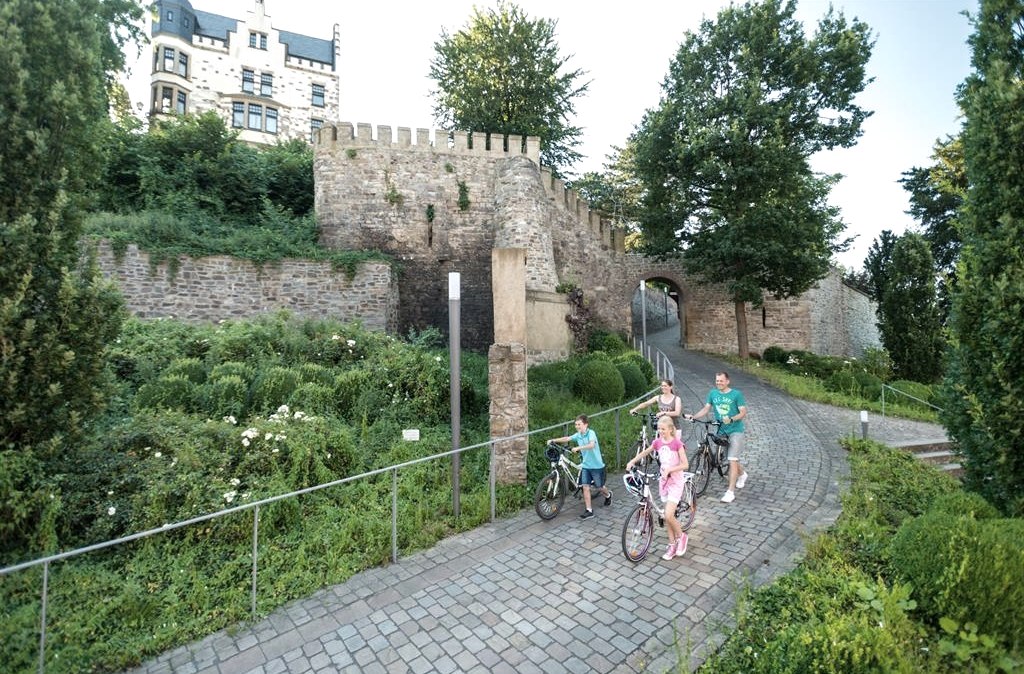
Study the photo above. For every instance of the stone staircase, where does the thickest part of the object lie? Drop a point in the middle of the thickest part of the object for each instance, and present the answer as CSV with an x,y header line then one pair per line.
x,y
939,453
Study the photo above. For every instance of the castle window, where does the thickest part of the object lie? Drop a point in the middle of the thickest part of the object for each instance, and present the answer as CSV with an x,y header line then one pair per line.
x,y
255,117
764,317
258,40
314,126
166,99
266,84
183,64
238,115
263,41
271,120
188,23
318,95
248,81
252,40
182,100
168,60
170,16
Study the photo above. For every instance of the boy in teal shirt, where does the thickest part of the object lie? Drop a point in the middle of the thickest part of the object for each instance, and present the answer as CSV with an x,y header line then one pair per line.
x,y
593,472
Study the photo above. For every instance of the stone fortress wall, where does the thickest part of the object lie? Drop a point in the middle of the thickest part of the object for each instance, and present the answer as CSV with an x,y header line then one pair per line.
x,y
440,202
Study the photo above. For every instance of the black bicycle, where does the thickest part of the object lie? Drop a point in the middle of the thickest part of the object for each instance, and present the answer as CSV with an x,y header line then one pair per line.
x,y
711,455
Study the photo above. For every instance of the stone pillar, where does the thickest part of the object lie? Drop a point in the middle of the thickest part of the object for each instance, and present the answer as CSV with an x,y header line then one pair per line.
x,y
506,374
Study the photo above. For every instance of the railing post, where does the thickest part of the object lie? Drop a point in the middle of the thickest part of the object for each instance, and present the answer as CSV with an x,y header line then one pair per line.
x,y
618,441
42,619
255,546
883,402
394,515
490,478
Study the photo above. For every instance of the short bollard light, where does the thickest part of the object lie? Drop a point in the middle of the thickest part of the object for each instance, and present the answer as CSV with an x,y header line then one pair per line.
x,y
864,424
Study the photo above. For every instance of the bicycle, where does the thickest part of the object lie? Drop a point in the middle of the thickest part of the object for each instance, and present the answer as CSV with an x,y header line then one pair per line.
x,y
638,529
650,420
709,458
564,478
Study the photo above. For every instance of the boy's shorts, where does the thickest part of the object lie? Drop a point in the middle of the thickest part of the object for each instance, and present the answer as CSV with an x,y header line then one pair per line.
x,y
593,476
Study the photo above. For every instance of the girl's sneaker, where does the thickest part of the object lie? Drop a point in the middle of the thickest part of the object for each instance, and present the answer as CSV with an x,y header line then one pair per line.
x,y
681,545
670,552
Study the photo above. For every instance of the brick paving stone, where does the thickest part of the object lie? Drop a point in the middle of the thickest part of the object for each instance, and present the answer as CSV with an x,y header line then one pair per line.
x,y
522,595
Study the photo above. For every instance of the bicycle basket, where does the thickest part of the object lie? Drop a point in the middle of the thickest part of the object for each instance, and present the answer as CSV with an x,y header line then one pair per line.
x,y
552,452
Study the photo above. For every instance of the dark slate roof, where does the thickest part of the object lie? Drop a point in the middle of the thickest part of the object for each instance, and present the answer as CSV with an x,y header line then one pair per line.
x,y
306,47
214,25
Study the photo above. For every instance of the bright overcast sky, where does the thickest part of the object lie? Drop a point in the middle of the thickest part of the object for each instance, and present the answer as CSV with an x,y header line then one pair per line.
x,y
919,58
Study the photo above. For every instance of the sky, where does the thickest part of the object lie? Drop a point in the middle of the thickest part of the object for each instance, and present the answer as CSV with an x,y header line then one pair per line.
x,y
919,58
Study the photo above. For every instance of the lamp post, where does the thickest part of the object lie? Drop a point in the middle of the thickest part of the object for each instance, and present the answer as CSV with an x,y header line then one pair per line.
x,y
454,378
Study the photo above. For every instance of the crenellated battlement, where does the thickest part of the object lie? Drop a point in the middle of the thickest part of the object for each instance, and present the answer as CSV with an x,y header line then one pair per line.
x,y
611,238
345,134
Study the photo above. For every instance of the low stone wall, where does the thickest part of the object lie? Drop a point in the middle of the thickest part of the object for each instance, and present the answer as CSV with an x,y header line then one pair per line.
x,y
222,287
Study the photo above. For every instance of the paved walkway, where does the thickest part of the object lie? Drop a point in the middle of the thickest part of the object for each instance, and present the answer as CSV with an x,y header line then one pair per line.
x,y
522,595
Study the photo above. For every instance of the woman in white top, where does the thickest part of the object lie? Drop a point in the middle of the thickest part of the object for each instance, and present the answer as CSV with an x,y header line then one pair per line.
x,y
669,404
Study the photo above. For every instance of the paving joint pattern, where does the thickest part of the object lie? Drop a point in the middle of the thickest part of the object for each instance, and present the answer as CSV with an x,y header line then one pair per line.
x,y
522,595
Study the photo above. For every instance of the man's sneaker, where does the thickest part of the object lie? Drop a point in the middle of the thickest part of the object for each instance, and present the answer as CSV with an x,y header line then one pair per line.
x,y
681,545
741,480
728,497
587,514
608,498
671,552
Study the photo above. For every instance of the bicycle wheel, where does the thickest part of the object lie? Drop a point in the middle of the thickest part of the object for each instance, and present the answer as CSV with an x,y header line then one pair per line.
x,y
723,461
686,511
549,497
638,533
702,470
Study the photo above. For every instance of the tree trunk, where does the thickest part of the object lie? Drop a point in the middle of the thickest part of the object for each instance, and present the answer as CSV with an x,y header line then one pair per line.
x,y
741,330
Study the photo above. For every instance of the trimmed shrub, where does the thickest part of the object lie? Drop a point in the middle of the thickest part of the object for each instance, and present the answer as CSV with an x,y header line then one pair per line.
x,y
963,503
233,368
645,366
316,374
966,569
776,355
171,392
843,382
226,396
598,381
609,342
633,379
313,398
870,385
348,387
273,389
190,368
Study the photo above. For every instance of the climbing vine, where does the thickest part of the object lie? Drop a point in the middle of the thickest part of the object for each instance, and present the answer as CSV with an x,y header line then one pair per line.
x,y
579,320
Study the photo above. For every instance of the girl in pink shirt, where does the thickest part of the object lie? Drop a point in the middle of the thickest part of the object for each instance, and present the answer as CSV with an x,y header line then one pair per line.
x,y
672,457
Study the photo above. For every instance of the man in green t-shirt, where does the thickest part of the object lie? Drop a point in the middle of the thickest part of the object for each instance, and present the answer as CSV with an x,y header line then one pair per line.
x,y
730,409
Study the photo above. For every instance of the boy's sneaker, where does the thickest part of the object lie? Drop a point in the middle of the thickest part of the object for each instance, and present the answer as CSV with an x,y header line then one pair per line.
x,y
587,514
728,497
670,552
741,480
681,545
608,498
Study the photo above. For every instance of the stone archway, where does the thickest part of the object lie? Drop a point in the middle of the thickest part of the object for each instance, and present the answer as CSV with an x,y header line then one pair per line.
x,y
664,305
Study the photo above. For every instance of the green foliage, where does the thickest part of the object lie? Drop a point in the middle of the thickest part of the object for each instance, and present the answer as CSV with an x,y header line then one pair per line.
x,y
724,158
984,379
226,395
775,354
502,73
610,343
598,381
966,569
909,320
463,196
878,363
273,389
633,380
915,392
646,368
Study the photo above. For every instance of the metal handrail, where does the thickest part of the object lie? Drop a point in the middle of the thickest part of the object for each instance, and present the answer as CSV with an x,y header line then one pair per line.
x,y
904,393
255,507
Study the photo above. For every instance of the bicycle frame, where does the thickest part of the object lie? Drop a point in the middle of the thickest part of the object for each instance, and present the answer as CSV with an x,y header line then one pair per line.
x,y
638,529
711,449
564,478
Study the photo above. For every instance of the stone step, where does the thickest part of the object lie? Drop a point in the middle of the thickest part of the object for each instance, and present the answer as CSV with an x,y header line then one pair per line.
x,y
940,453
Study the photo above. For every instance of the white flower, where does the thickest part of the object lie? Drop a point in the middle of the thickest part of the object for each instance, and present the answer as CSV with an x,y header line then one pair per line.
x,y
335,338
157,455
793,360
111,510
245,442
110,492
268,436
231,419
437,358
351,342
280,436
235,482
229,496
299,415
274,450
146,449
245,495
283,409
328,455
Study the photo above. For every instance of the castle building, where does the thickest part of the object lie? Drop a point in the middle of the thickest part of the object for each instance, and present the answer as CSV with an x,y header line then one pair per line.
x,y
267,83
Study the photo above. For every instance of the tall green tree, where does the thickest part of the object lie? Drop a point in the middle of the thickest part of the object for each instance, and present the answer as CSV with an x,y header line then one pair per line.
x,y
936,196
616,193
985,377
504,73
725,157
908,318
56,313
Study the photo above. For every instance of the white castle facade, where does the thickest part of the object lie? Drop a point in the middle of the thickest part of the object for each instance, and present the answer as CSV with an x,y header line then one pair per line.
x,y
267,83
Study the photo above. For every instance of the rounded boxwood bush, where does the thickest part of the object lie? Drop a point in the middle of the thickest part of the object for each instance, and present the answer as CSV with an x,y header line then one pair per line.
x,y
273,389
844,382
870,385
170,392
226,396
190,368
598,381
775,354
645,366
609,342
965,503
233,368
633,379
966,569
312,398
